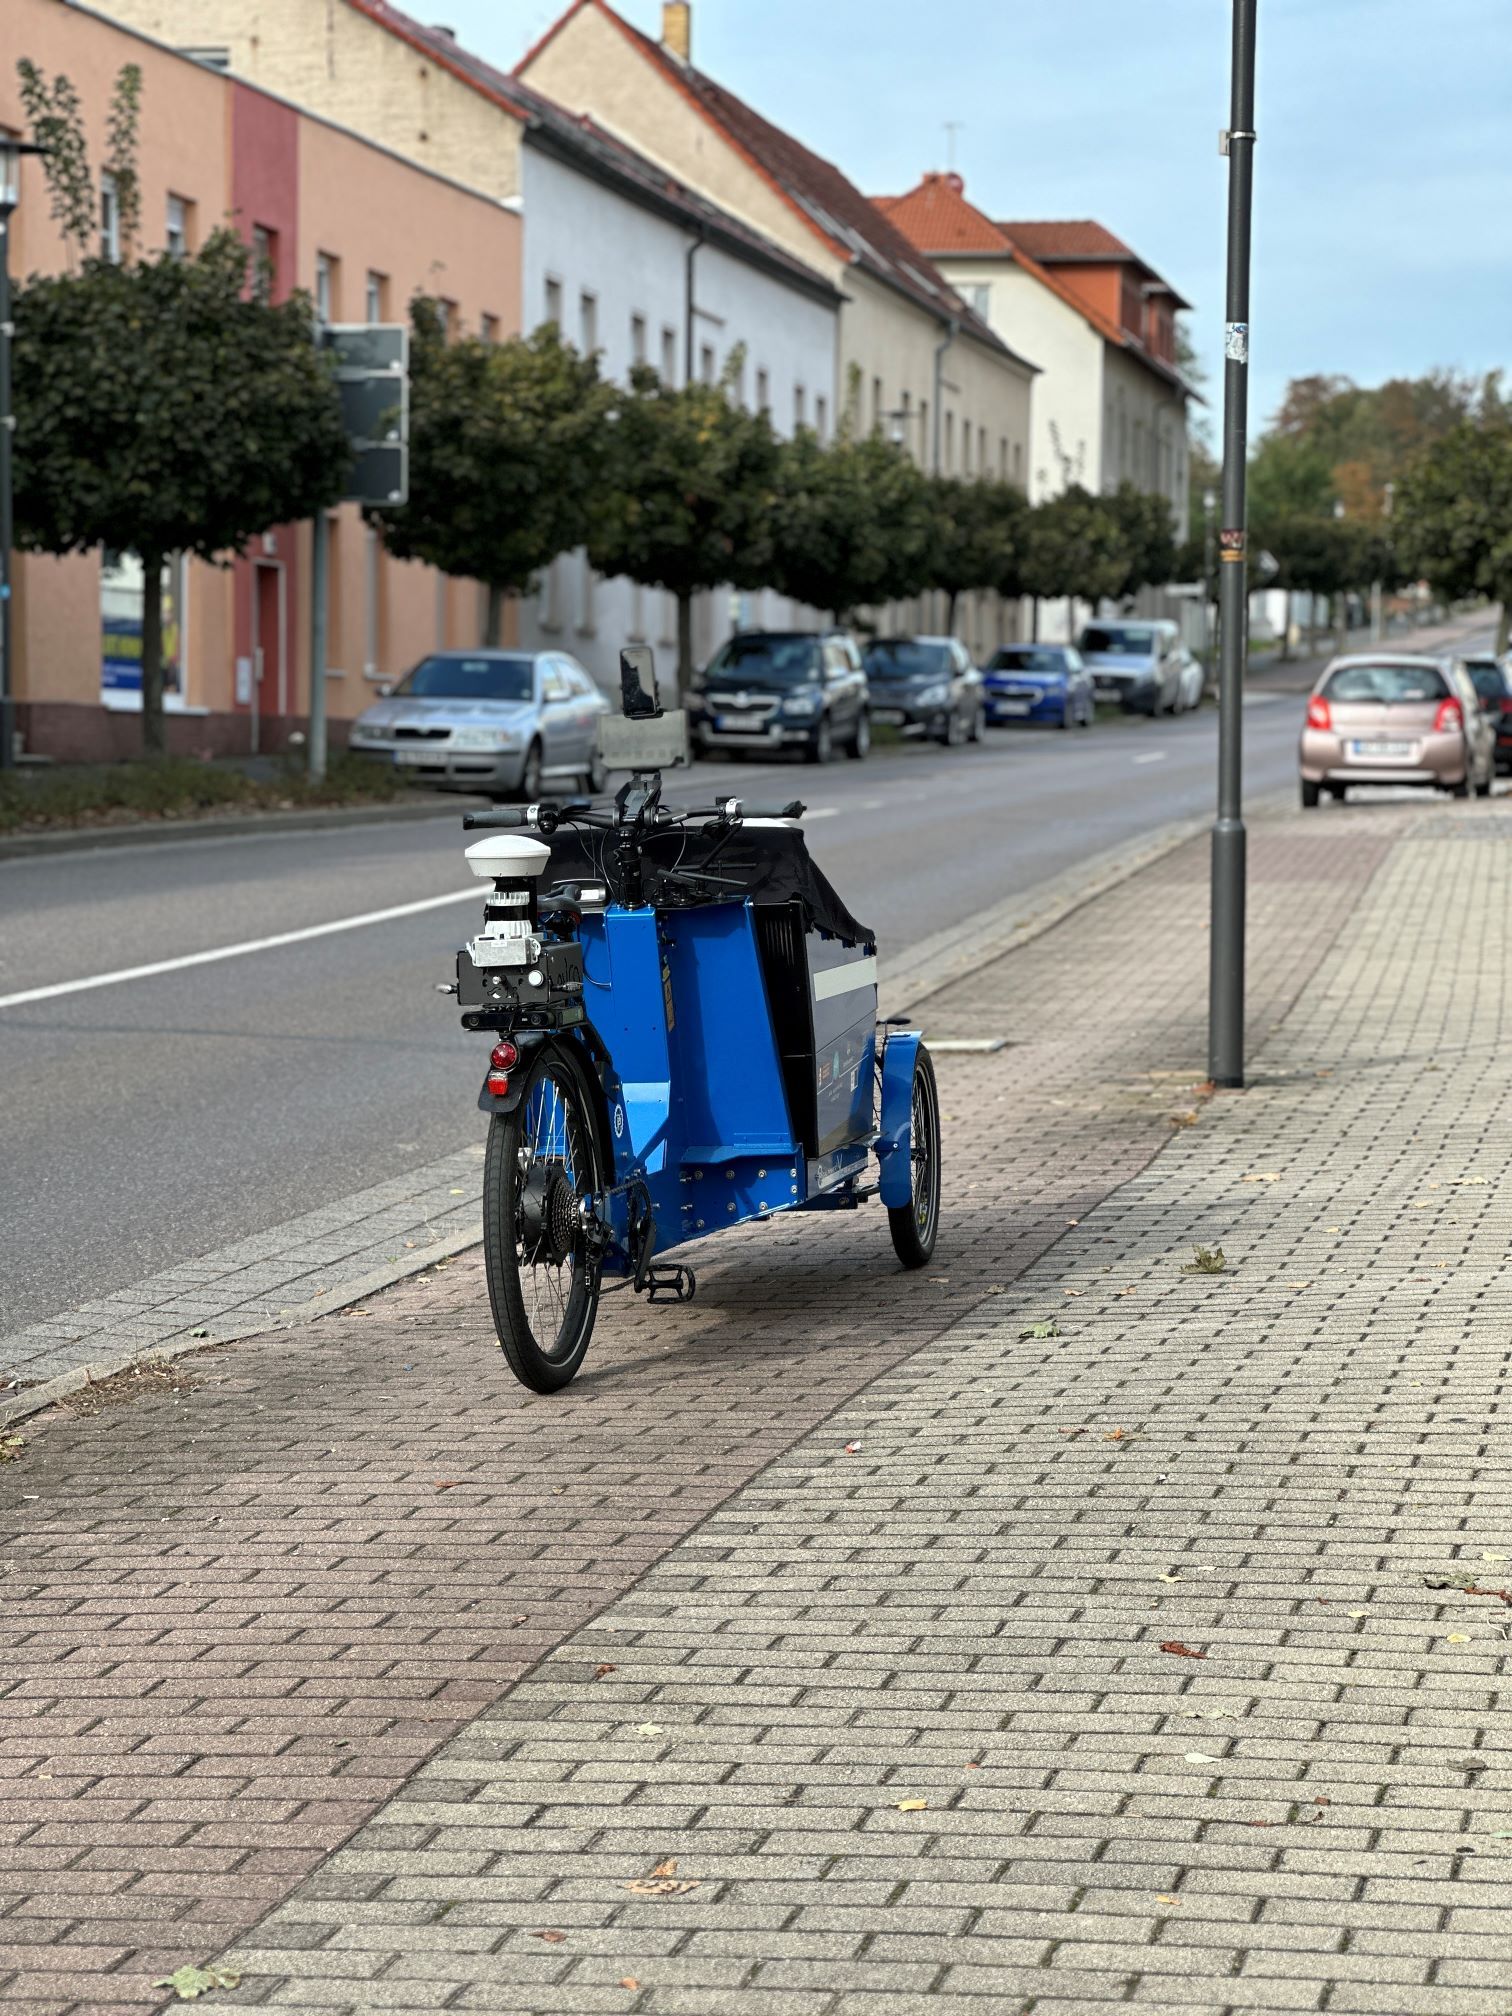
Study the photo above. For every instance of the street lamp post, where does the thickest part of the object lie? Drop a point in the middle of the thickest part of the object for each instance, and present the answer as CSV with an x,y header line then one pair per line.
x,y
1226,974
11,152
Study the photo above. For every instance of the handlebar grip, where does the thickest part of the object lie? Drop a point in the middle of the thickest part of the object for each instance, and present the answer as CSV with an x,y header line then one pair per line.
x,y
501,815
794,809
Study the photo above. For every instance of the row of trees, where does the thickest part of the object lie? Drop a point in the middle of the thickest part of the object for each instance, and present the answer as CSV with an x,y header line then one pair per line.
x,y
521,451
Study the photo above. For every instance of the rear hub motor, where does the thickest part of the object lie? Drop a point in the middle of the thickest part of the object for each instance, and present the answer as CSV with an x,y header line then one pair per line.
x,y
549,1216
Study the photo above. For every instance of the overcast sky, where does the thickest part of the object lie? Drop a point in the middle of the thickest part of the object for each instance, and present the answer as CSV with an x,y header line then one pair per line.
x,y
1383,201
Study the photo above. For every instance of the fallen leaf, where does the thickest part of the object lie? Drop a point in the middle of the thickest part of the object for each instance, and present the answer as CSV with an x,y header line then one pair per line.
x,y
1182,1119
1169,1576
600,1671
1266,1176
660,1886
1299,1284
551,1938
1073,1291
1359,1613
1333,1228
458,1192
1114,1435
1490,1555
1161,1898
1422,1204
852,1449
449,1483
912,1805
1180,1651
1200,1757
1205,1260
1047,1327
973,1767
648,1728
1073,1431
1322,1802
10,1448
667,1868
189,1983
1459,1638
629,1981
1265,1823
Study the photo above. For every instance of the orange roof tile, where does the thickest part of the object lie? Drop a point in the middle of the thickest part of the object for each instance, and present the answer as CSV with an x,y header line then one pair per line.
x,y
939,220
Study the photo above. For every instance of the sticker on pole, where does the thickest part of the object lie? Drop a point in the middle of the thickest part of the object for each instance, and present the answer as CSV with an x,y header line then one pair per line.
x,y
1231,544
1236,342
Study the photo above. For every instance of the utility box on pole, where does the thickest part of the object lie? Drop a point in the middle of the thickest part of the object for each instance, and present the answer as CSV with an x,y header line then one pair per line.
x,y
371,362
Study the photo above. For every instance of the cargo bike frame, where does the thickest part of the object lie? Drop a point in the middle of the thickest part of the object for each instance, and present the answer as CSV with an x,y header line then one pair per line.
x,y
687,1039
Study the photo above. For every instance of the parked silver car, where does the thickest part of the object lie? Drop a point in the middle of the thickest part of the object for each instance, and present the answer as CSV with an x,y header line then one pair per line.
x,y
488,721
1141,663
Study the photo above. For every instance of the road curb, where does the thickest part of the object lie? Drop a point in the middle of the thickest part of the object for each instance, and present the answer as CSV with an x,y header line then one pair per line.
x,y
47,1392
153,833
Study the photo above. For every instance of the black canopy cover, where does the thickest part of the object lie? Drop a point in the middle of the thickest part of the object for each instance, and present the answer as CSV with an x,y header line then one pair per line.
x,y
767,864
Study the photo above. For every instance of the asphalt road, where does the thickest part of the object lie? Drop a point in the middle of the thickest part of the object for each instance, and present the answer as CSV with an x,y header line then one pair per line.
x,y
149,1121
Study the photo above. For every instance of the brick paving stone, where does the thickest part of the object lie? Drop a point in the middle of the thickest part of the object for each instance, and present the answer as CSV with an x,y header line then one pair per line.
x,y
260,1584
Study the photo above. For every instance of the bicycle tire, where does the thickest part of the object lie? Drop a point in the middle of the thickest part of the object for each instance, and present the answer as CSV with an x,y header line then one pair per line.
x,y
915,1225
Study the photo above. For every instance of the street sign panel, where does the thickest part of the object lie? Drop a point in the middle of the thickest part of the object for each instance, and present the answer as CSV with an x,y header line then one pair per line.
x,y
372,380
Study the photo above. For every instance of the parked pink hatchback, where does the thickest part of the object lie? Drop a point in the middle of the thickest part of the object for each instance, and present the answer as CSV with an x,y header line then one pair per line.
x,y
1384,718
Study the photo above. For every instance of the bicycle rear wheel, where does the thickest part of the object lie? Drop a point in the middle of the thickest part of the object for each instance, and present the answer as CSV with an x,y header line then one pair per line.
x,y
543,1161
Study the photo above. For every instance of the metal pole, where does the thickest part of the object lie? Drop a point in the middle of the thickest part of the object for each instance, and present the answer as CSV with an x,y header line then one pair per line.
x,y
1209,628
1226,980
319,555
7,530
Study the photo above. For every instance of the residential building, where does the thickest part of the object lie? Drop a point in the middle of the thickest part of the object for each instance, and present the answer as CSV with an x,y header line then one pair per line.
x,y
360,228
627,260
1110,405
913,357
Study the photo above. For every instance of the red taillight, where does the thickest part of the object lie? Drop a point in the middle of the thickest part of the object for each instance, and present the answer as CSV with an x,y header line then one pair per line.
x,y
1450,715
503,1056
1318,714
496,1084
1506,705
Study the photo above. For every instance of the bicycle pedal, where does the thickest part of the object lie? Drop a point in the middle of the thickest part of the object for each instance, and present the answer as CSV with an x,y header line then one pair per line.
x,y
671,1284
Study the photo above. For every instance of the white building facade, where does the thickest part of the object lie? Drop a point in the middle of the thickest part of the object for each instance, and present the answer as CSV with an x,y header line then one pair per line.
x,y
641,272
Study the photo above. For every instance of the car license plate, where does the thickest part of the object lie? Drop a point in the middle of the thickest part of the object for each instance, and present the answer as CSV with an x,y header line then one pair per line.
x,y
1382,752
432,752
737,724
1109,685
890,717
1012,706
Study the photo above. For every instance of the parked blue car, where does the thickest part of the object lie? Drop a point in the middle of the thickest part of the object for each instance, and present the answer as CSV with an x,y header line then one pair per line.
x,y
1039,682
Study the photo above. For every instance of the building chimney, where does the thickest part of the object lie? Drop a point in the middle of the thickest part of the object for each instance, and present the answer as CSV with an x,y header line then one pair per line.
x,y
677,29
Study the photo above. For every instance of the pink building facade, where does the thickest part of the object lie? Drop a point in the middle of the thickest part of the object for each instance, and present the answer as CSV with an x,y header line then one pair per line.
x,y
361,230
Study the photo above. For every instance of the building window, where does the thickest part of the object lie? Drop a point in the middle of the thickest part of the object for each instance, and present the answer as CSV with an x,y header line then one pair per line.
x,y
1003,456
327,269
763,392
876,419
1018,461
264,262
554,302
549,606
637,339
669,356
110,220
821,418
965,447
706,363
446,316
800,411
375,297
488,328
925,446
588,324
949,459
979,299
180,218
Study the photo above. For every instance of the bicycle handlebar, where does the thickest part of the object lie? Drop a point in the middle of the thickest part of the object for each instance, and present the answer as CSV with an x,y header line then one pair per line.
x,y
546,817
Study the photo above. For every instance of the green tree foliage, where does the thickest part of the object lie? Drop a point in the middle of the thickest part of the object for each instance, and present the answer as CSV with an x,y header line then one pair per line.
x,y
56,118
689,494
507,455
161,410
1075,546
979,529
1453,518
855,524
1145,526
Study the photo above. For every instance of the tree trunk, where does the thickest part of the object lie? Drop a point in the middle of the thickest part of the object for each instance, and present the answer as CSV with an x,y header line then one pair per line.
x,y
1286,628
154,730
684,639
1034,619
952,596
493,617
1341,625
1503,629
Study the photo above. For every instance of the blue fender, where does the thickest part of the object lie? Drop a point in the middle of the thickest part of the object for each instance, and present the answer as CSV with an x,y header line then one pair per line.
x,y
895,1138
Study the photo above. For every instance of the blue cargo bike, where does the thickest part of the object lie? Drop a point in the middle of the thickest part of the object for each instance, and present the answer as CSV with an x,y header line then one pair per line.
x,y
686,1037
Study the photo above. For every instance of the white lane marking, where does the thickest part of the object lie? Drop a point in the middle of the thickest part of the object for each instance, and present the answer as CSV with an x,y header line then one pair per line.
x,y
1267,699
1152,756
474,895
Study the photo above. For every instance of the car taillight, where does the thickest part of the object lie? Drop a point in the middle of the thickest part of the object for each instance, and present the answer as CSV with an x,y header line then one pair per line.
x,y
1506,705
1318,713
1450,715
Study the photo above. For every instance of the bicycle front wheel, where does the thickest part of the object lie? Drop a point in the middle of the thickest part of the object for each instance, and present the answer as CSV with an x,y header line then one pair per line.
x,y
544,1160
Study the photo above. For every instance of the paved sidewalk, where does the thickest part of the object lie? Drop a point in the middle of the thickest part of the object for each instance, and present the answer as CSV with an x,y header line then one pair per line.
x,y
245,1613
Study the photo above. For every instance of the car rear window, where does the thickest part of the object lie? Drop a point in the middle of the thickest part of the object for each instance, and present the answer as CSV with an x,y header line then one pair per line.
x,y
902,658
1127,640
1488,678
771,660
1388,683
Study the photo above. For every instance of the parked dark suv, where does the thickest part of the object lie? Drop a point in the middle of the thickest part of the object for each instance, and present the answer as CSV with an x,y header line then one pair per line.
x,y
767,690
